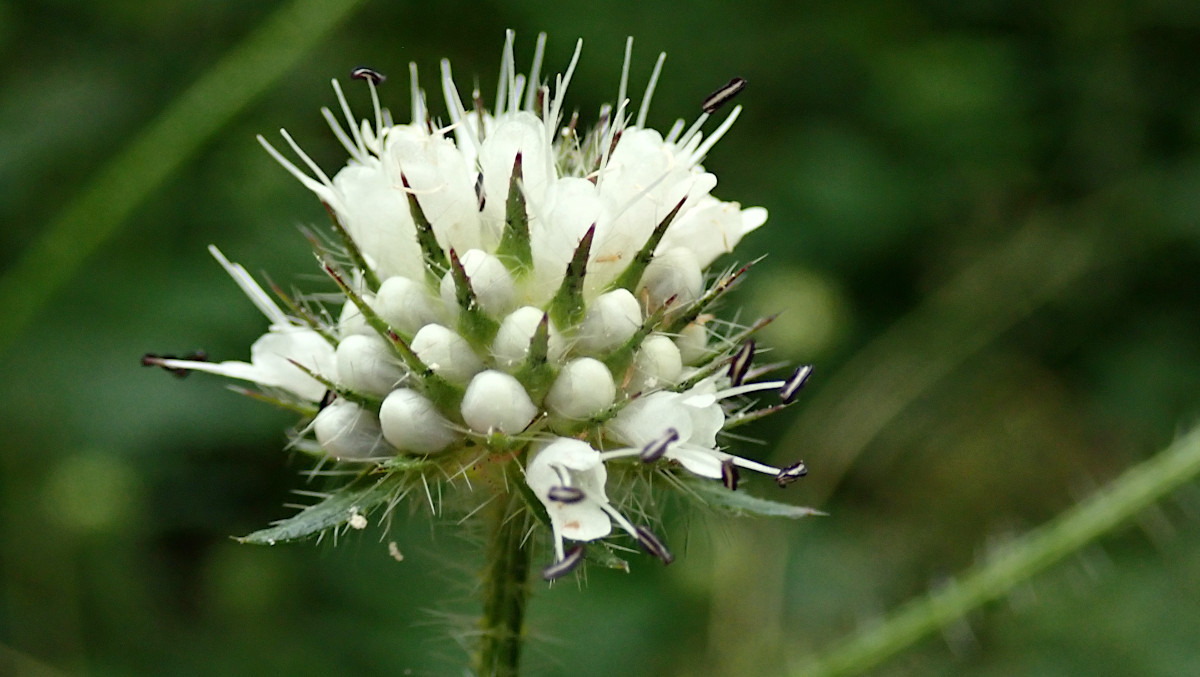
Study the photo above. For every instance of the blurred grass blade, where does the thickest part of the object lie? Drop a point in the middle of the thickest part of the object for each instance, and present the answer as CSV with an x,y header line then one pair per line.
x,y
969,312
1135,490
103,206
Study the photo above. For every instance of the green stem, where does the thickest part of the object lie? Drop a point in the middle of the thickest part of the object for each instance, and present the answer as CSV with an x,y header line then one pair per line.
x,y
505,590
1135,490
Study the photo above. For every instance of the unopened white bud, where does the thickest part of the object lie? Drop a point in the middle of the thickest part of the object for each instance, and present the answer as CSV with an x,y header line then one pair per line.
x,y
672,276
346,430
351,320
611,319
693,343
367,365
657,364
446,353
511,346
492,283
405,305
495,401
411,423
583,389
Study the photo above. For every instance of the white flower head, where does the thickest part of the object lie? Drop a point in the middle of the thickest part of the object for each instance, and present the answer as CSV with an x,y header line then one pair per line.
x,y
514,291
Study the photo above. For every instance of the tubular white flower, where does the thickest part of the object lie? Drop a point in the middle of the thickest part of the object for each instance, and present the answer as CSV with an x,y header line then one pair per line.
x,y
497,402
367,365
592,231
412,423
583,389
446,353
582,515
347,431
273,360
696,416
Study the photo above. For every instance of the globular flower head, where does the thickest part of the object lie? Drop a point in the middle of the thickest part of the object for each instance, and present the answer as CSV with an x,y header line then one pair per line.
x,y
514,291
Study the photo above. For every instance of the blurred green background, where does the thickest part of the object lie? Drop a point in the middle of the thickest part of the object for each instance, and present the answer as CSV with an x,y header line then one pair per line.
x,y
985,232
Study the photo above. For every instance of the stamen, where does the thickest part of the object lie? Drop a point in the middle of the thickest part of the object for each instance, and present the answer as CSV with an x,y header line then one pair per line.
x,y
358,139
723,95
560,93
316,169
655,449
535,72
368,74
791,474
644,109
565,565
251,289
327,399
152,360
462,132
740,364
621,91
322,191
479,191
699,153
652,545
417,100
729,474
507,66
794,383
342,137
673,133
565,494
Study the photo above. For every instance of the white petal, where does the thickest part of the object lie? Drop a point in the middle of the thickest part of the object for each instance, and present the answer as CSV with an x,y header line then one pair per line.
x,y
575,463
497,402
446,353
377,217
405,305
584,388
412,424
346,430
366,364
611,319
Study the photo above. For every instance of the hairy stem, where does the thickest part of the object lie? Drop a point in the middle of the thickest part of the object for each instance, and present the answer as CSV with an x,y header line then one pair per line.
x,y
1105,510
505,590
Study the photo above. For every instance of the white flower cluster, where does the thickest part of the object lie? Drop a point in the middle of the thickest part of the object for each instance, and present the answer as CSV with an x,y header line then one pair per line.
x,y
515,286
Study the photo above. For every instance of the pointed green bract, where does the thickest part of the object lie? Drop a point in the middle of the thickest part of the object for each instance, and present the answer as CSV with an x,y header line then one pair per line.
x,y
361,399
431,252
567,307
514,249
436,388
475,325
714,293
351,246
719,360
537,374
622,357
354,499
302,312
632,275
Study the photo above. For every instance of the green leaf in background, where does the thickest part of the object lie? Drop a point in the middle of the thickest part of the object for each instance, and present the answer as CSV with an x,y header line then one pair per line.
x,y
742,503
